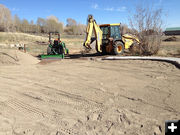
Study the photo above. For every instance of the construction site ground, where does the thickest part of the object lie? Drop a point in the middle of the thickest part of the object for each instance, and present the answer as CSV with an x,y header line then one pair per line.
x,y
86,96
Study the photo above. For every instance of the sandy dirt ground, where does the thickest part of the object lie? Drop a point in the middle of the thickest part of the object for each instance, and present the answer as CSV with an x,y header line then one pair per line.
x,y
87,97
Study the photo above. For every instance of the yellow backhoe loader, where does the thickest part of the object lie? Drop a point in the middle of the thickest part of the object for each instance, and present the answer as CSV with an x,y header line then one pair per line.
x,y
108,38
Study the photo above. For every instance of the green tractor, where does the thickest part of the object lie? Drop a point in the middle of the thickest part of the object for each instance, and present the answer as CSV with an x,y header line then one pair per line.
x,y
56,48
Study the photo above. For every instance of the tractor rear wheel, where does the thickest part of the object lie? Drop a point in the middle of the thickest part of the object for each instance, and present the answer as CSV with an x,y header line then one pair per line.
x,y
61,50
118,48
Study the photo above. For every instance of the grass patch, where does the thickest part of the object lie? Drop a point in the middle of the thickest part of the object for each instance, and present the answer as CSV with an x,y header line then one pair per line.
x,y
73,43
33,42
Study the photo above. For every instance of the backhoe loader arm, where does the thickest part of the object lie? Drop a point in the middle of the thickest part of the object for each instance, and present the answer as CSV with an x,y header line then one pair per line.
x,y
98,34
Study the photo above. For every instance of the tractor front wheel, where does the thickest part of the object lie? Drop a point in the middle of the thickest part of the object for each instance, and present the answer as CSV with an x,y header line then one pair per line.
x,y
118,48
49,50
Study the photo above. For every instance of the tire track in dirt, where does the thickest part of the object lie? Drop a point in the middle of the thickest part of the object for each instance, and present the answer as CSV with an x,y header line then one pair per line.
x,y
166,104
56,96
74,101
84,103
51,95
59,98
39,99
61,93
168,91
167,108
36,114
78,102
23,108
70,96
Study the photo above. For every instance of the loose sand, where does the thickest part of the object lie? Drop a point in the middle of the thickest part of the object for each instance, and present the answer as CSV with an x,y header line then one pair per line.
x,y
16,57
86,97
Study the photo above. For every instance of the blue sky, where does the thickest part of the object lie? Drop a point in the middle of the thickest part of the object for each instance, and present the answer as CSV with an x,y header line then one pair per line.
x,y
104,11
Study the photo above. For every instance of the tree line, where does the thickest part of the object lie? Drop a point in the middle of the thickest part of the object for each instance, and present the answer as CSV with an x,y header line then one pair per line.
x,y
10,23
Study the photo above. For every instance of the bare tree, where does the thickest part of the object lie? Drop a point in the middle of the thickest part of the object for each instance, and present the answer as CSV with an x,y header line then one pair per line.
x,y
17,23
53,24
73,28
25,26
78,29
41,23
52,17
148,23
125,29
5,18
71,22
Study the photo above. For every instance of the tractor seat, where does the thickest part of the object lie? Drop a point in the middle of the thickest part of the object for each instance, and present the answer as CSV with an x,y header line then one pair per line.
x,y
56,42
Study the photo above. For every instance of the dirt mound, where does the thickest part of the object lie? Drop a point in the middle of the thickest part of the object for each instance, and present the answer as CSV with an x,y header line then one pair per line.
x,y
170,39
27,59
8,57
15,57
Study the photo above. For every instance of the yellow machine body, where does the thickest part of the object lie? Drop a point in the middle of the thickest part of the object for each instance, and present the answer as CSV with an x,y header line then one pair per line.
x,y
108,37
129,39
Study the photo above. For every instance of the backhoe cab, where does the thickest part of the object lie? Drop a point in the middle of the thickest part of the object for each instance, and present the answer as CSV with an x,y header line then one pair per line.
x,y
108,38
111,39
